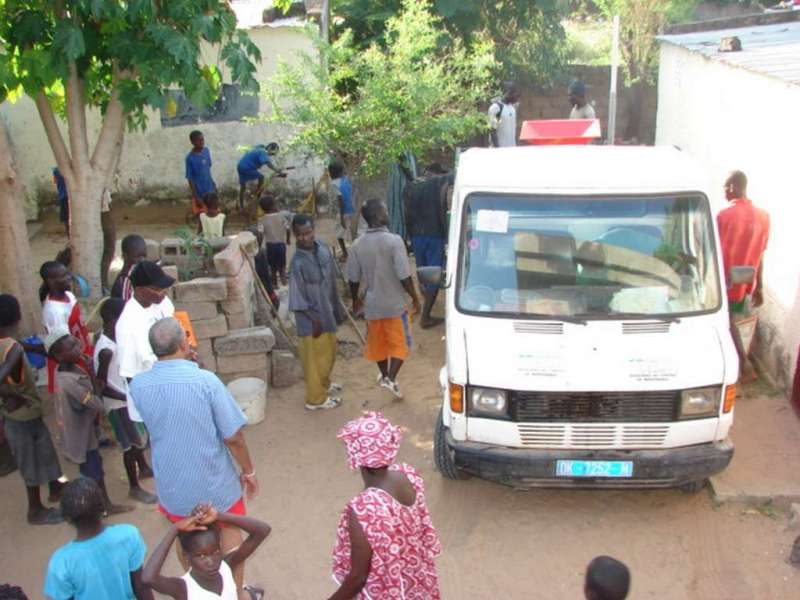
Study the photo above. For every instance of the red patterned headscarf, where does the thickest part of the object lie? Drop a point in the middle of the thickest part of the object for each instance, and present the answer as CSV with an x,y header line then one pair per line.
x,y
371,440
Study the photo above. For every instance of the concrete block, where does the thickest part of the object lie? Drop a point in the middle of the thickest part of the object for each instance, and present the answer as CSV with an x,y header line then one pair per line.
x,y
286,369
199,311
248,242
234,306
245,341
171,249
208,362
263,375
153,249
202,289
210,328
205,348
230,261
242,284
243,362
240,321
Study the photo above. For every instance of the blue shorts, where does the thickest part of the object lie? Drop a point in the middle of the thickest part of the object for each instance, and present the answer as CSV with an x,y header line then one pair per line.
x,y
93,466
429,252
247,175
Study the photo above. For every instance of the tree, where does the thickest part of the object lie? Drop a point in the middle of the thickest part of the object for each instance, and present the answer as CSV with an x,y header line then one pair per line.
x,y
16,272
418,92
530,42
118,56
640,22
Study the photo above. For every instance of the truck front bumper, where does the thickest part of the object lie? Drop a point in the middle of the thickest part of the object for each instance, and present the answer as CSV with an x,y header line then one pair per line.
x,y
522,467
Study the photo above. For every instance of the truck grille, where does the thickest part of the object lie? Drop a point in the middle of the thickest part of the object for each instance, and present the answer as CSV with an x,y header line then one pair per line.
x,y
592,436
595,407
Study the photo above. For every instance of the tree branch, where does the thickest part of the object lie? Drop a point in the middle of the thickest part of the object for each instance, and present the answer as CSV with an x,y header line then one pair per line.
x,y
48,117
111,133
76,118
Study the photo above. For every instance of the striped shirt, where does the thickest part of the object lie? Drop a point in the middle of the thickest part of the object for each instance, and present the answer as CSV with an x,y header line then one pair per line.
x,y
189,414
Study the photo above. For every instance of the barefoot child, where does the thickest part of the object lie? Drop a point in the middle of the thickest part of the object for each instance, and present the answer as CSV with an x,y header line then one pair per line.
x,y
21,407
104,561
198,169
131,435
77,407
275,224
210,574
134,251
212,222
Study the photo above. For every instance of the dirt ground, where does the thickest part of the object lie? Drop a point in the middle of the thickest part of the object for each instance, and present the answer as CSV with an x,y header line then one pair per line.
x,y
498,542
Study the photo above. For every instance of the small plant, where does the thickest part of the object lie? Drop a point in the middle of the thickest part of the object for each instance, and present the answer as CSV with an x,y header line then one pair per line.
x,y
198,253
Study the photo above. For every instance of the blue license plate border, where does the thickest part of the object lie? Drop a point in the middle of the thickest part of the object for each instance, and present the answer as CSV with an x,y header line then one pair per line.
x,y
594,469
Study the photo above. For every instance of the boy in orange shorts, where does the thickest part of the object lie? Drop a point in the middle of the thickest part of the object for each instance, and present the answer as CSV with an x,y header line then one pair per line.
x,y
378,259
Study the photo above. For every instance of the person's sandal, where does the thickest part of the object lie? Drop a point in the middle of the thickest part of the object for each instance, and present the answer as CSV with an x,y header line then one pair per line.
x,y
330,402
49,516
256,593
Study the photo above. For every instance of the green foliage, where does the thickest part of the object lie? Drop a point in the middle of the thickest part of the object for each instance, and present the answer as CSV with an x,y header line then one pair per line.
x,y
418,92
199,253
141,47
640,22
529,40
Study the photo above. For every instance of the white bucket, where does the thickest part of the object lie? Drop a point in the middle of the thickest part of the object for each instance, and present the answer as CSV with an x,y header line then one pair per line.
x,y
250,394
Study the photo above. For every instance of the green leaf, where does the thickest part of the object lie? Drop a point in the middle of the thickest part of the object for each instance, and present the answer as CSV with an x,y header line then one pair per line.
x,y
68,40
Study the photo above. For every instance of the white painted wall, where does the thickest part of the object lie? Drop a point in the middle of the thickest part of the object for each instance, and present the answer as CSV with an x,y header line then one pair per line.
x,y
730,118
152,163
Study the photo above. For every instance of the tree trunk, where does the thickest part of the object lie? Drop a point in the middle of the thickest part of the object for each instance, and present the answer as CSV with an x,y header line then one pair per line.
x,y
636,100
86,232
16,270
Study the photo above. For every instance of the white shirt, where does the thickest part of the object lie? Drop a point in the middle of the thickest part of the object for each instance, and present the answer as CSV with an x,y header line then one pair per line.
x,y
212,226
55,313
133,342
114,380
584,112
503,119
195,592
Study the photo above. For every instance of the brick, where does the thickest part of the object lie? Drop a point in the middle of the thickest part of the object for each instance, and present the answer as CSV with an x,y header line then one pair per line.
x,y
263,375
243,362
248,242
210,328
205,349
199,311
202,289
241,284
245,341
286,369
236,306
209,363
240,321
230,261
153,249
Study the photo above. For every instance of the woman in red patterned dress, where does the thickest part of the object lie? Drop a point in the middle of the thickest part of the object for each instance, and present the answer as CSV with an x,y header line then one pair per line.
x,y
385,542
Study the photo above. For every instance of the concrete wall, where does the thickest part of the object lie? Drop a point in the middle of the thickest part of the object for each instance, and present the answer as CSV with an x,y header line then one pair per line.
x,y
554,104
729,118
152,163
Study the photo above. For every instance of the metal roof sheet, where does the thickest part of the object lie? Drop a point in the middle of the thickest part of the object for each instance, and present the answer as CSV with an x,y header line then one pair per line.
x,y
772,50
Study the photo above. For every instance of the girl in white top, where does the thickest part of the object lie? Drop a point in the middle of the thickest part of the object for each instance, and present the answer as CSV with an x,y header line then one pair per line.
x,y
210,576
212,222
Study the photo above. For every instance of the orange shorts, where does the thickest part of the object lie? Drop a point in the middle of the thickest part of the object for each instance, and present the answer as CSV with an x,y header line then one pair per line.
x,y
388,338
236,509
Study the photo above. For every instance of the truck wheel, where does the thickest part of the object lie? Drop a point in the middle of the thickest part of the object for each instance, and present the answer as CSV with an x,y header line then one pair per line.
x,y
693,486
442,455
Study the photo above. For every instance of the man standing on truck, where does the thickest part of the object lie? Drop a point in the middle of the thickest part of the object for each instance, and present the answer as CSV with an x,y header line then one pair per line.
x,y
743,234
378,259
426,223
503,117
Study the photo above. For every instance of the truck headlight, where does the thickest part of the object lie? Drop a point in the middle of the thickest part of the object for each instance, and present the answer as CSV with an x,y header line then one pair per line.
x,y
700,402
487,402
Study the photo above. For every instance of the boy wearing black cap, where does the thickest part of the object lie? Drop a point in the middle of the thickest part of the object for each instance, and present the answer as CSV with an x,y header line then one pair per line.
x,y
148,304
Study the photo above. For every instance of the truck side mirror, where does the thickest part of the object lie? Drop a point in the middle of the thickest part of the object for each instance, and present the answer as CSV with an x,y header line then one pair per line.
x,y
742,275
430,275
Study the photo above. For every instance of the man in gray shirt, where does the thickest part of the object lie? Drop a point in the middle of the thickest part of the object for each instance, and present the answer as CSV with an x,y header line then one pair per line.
x,y
379,261
314,299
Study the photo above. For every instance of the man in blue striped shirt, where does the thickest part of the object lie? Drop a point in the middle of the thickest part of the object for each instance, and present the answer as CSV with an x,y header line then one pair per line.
x,y
196,435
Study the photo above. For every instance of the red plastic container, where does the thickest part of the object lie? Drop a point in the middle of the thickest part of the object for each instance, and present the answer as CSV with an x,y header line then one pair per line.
x,y
559,132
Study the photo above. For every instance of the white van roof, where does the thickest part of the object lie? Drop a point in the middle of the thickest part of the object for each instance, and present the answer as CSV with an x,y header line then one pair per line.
x,y
603,169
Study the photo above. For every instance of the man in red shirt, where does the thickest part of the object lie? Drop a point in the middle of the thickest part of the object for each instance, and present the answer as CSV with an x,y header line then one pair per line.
x,y
743,234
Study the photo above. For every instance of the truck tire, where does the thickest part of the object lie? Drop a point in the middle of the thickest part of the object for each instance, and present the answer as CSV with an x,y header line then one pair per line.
x,y
442,455
693,486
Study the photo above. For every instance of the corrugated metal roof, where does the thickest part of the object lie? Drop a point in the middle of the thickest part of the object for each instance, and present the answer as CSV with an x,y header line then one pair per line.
x,y
772,50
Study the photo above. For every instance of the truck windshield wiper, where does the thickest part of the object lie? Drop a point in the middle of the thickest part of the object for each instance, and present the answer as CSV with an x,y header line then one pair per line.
x,y
563,318
635,315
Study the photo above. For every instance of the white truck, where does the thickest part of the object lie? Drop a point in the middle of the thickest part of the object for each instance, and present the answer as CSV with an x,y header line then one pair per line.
x,y
587,331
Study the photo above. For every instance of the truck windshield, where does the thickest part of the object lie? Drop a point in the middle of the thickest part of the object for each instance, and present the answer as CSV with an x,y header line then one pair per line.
x,y
589,257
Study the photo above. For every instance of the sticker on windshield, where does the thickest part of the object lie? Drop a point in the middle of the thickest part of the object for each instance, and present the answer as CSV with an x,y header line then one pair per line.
x,y
492,221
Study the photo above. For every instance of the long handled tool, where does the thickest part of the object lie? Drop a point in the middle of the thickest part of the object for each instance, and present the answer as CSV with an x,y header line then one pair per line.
x,y
350,317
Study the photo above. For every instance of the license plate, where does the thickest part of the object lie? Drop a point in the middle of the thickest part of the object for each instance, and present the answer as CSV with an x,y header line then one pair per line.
x,y
594,468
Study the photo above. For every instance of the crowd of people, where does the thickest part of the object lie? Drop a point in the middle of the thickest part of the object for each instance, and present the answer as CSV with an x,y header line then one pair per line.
x,y
141,375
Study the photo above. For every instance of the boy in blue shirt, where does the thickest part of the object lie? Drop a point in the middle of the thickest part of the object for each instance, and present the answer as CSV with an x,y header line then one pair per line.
x,y
63,198
343,192
249,165
198,169
102,562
